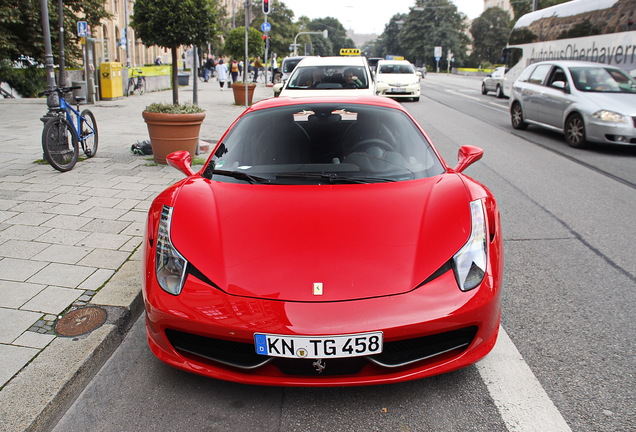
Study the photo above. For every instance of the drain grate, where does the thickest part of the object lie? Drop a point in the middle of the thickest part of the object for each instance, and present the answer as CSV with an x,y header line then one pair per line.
x,y
80,321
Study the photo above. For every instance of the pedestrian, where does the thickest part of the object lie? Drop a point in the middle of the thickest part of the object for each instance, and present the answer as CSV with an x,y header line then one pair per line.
x,y
257,66
209,68
234,70
274,66
221,73
158,61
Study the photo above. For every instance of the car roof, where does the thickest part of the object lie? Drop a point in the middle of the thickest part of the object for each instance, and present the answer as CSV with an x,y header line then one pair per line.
x,y
333,61
394,62
574,63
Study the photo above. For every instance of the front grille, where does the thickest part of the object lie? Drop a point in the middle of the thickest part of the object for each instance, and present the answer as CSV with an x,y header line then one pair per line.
x,y
395,354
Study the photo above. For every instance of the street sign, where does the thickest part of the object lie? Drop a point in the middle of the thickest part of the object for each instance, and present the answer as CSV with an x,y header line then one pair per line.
x,y
438,51
82,29
265,27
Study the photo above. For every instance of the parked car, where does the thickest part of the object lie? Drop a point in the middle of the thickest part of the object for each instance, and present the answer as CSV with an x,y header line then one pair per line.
x,y
330,76
338,248
494,82
287,66
587,102
397,79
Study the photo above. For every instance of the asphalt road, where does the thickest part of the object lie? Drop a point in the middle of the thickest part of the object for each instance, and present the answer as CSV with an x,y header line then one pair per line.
x,y
568,309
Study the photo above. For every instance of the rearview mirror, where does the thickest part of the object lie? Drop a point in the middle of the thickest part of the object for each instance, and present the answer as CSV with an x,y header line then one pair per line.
x,y
182,161
466,156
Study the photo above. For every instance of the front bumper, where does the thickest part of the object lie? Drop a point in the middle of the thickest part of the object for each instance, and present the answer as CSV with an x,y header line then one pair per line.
x,y
398,91
611,133
438,327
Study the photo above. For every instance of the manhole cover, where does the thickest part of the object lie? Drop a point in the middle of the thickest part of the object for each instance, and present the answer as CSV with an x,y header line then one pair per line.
x,y
80,321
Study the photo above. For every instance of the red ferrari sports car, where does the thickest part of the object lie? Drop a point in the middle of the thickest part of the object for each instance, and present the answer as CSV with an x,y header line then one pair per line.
x,y
324,243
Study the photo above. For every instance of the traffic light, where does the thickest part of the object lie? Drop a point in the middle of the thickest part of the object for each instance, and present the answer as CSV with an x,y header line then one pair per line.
x,y
266,6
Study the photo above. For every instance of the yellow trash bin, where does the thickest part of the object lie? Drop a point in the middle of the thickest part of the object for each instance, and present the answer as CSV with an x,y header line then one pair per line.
x,y
112,85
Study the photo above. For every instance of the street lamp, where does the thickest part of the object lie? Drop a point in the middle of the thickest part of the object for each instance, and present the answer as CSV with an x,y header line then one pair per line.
x,y
324,33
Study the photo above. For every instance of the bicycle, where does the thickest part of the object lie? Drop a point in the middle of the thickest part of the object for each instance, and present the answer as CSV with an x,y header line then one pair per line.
x,y
138,85
66,130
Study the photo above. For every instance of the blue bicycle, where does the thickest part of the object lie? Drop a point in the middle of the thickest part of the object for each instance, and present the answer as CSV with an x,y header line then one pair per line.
x,y
66,130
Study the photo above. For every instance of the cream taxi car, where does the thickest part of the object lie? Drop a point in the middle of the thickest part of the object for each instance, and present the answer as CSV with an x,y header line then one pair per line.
x,y
397,79
330,76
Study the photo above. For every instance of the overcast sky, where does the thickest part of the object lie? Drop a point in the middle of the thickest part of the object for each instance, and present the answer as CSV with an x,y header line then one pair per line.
x,y
366,16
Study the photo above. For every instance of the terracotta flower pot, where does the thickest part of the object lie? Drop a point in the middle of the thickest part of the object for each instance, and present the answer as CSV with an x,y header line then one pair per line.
x,y
239,93
173,132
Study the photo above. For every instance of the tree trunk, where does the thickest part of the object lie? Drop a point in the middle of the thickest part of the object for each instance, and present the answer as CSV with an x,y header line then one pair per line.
x,y
175,77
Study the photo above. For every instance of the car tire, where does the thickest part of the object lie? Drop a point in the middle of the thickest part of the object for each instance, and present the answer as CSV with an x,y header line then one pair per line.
x,y
499,92
483,89
416,99
575,131
516,117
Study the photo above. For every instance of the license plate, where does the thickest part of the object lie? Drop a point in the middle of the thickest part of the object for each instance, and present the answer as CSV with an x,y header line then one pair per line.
x,y
353,345
398,90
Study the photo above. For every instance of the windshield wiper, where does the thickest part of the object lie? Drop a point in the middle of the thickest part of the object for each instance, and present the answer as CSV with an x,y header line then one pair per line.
x,y
241,176
332,178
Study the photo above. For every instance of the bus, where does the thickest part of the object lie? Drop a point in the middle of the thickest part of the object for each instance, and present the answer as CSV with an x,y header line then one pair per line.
x,y
601,31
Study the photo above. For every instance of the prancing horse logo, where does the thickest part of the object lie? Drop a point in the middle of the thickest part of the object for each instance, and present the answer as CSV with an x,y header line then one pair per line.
x,y
319,365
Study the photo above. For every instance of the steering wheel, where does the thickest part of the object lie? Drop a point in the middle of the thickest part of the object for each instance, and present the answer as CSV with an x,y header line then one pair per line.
x,y
363,145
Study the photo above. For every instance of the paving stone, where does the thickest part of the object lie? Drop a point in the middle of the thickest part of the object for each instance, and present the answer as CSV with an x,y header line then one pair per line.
x,y
62,275
21,249
14,323
53,300
105,259
63,254
15,294
31,339
19,270
14,358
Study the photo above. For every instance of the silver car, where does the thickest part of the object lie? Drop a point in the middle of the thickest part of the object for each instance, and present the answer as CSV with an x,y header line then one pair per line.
x,y
494,82
587,102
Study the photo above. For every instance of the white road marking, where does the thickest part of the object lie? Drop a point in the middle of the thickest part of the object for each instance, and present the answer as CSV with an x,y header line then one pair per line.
x,y
521,400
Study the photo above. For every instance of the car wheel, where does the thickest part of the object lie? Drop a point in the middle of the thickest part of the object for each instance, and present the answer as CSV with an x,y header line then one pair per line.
x,y
516,117
483,89
575,131
499,92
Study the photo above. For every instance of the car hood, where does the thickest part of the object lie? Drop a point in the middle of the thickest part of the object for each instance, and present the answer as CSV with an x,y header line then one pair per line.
x,y
622,103
402,79
357,241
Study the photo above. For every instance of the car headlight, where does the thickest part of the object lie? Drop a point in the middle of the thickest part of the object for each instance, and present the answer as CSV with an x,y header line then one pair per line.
x,y
610,116
170,266
470,261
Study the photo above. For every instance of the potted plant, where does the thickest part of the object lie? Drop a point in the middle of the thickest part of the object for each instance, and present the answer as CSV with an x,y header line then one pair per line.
x,y
172,128
235,47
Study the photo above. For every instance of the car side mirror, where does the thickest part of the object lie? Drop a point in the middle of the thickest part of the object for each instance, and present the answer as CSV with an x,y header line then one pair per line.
x,y
561,85
466,156
182,161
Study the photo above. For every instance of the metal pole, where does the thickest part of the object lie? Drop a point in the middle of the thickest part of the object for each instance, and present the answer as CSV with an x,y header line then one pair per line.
x,y
52,100
266,50
195,75
126,33
245,63
60,11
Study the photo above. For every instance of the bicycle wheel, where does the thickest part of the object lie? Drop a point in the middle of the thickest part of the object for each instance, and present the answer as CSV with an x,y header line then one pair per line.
x,y
141,85
201,73
59,143
88,132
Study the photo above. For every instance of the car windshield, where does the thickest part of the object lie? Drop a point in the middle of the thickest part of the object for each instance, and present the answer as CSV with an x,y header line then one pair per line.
x,y
328,77
396,69
324,143
289,64
603,80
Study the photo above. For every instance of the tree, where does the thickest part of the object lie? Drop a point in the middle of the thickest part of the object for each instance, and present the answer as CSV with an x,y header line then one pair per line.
x,y
173,23
336,32
433,23
235,44
490,35
389,43
521,8
21,28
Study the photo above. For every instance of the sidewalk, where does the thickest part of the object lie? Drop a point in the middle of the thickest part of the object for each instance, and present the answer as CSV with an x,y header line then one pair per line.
x,y
71,240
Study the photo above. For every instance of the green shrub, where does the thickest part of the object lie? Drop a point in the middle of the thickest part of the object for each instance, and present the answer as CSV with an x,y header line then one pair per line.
x,y
28,82
168,108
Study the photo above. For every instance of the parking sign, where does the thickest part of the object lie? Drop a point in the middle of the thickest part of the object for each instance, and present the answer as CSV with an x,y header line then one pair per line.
x,y
82,29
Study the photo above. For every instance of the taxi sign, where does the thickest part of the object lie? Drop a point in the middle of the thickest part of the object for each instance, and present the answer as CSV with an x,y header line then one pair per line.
x,y
349,51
